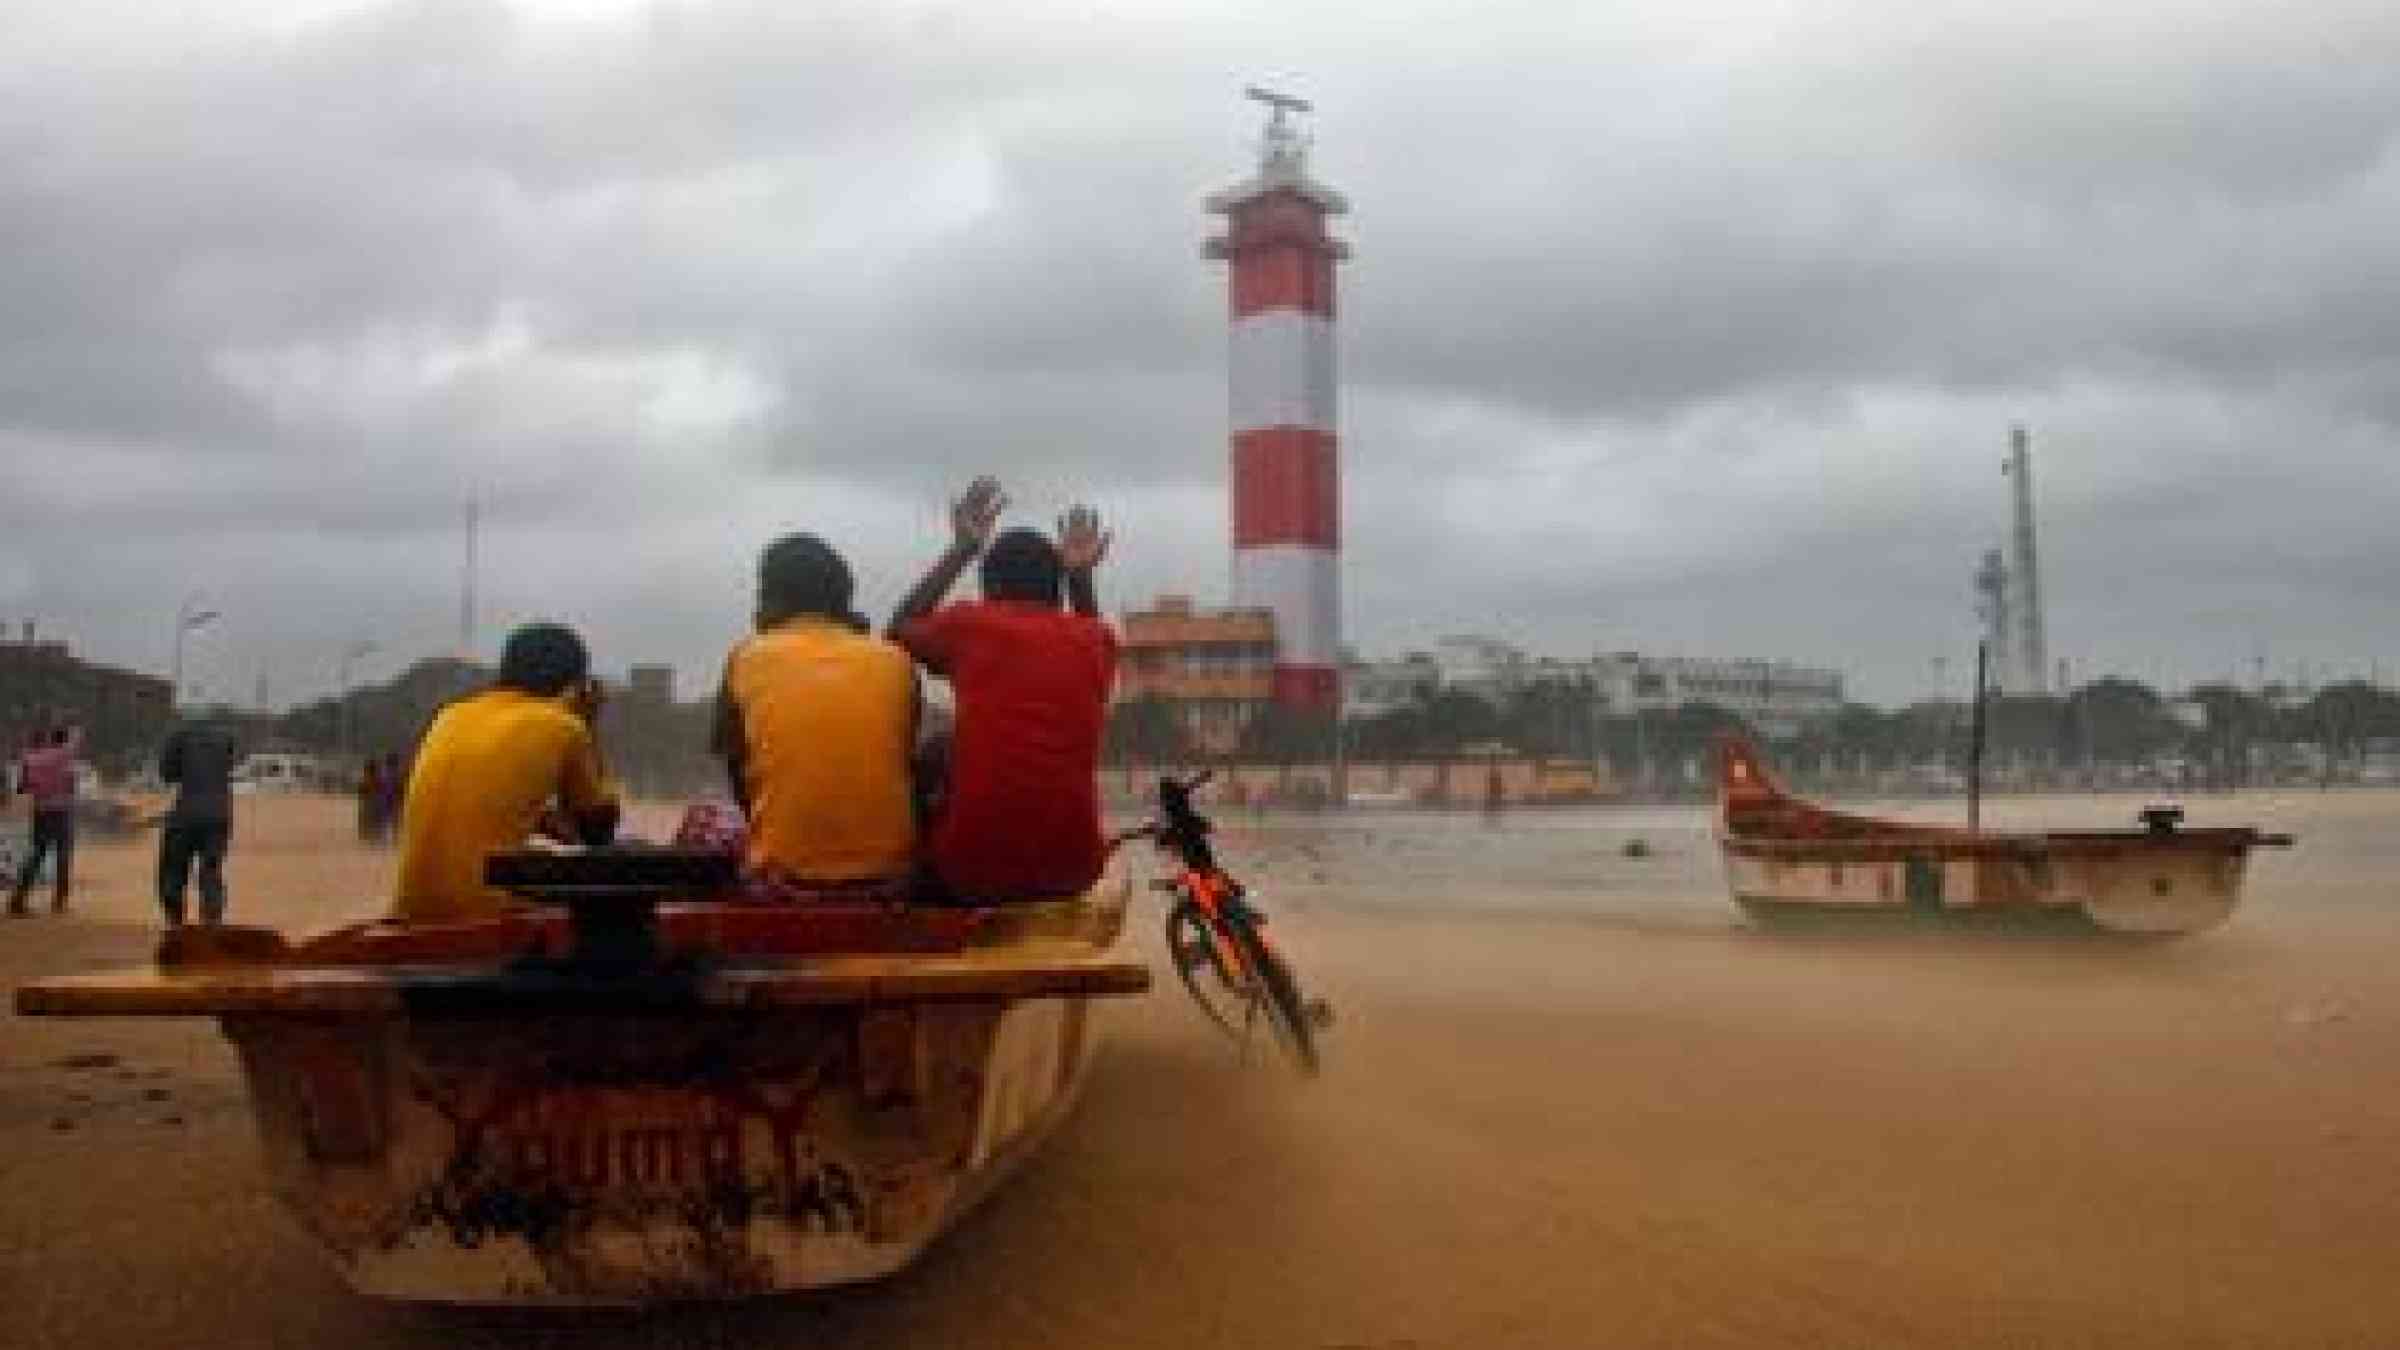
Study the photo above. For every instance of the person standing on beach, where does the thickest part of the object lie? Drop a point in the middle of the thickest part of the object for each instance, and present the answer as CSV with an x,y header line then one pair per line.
x,y
198,759
370,800
391,782
46,774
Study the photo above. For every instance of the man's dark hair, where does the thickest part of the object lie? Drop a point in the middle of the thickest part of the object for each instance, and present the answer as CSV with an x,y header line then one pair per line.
x,y
1024,565
802,574
543,658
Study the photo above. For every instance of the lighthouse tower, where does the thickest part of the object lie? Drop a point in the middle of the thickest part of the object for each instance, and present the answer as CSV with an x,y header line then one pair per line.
x,y
1287,513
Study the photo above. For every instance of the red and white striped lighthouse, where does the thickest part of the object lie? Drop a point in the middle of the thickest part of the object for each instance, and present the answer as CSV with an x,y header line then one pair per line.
x,y
1287,502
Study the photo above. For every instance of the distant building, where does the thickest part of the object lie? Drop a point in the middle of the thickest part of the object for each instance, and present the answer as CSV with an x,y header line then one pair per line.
x,y
1373,688
1775,697
1216,667
1486,667
650,684
124,714
659,747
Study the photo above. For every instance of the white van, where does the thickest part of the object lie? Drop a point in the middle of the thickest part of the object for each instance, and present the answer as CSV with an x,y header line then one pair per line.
x,y
277,773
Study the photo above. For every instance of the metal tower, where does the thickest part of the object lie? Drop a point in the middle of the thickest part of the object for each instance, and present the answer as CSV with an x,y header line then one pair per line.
x,y
1991,607
1286,472
2032,648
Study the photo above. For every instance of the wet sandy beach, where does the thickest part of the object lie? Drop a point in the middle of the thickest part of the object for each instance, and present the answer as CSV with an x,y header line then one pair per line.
x,y
1569,1102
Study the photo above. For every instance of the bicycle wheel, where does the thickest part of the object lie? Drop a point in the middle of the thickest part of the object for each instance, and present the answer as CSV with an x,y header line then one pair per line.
x,y
1278,994
1221,993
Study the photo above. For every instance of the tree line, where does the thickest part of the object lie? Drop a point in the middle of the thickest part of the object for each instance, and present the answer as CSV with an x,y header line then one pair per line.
x,y
2222,731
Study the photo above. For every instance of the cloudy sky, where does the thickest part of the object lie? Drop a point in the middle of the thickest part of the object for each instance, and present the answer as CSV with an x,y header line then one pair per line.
x,y
1683,326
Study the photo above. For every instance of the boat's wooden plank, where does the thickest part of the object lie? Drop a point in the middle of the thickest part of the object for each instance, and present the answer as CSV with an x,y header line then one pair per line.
x,y
862,982
154,993
2182,841
308,991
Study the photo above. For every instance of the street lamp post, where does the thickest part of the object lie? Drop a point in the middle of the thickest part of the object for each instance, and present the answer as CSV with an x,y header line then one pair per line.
x,y
189,617
1338,778
341,707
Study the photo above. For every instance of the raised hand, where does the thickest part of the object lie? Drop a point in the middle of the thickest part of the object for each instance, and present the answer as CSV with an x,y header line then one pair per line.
x,y
1082,544
976,514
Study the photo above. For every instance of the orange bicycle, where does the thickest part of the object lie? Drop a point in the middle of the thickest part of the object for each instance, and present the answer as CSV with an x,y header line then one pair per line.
x,y
1216,937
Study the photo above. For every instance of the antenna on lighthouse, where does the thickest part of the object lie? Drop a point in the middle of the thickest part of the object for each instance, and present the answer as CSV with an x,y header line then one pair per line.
x,y
1281,103
1282,147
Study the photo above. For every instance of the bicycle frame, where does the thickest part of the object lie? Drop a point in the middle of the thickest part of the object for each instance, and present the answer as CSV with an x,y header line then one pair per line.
x,y
1208,892
1183,832
1238,954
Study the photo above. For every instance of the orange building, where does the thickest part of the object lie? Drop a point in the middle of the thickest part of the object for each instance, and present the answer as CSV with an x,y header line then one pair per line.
x,y
1216,667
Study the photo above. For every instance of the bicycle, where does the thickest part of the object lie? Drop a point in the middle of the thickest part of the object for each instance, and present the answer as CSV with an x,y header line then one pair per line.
x,y
1216,938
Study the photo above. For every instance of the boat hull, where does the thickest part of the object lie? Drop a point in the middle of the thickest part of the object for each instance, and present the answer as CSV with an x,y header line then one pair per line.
x,y
1789,859
612,1158
755,1099
2130,889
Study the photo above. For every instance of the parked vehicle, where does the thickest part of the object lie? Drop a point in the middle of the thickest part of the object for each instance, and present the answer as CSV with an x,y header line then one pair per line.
x,y
278,772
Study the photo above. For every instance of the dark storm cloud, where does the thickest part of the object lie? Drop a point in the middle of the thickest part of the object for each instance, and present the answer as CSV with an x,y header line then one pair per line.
x,y
1666,328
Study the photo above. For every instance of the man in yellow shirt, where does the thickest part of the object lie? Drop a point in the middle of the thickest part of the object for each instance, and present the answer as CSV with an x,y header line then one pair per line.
x,y
489,771
816,720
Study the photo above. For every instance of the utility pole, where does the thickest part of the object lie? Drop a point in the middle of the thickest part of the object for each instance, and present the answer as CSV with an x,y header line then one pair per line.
x,y
466,591
341,707
189,617
1340,784
1641,745
1975,743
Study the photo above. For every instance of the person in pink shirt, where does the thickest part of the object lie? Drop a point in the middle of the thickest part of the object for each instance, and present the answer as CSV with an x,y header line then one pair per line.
x,y
46,773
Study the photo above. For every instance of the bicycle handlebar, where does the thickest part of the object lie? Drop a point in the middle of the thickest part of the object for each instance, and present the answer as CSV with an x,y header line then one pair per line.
x,y
1148,829
1177,825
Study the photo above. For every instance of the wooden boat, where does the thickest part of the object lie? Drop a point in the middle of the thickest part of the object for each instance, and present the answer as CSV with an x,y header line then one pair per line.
x,y
647,1094
1786,858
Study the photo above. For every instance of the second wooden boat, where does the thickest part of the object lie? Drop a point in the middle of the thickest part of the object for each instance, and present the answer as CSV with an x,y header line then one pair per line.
x,y
1786,859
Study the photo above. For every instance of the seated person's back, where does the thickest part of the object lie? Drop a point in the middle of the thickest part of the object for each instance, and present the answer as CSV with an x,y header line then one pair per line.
x,y
816,719
490,767
1020,816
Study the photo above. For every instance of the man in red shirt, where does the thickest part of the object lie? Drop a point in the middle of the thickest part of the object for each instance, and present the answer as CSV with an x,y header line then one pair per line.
x,y
1020,816
47,775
